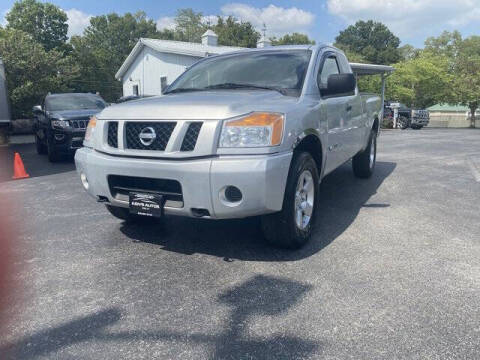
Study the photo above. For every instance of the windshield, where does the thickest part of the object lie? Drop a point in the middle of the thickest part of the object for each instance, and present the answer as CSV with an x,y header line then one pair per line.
x,y
283,71
74,102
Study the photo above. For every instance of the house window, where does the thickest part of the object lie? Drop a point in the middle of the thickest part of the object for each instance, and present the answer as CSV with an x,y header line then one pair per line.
x,y
163,84
135,89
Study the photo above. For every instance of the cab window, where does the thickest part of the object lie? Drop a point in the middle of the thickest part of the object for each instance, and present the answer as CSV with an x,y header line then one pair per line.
x,y
330,67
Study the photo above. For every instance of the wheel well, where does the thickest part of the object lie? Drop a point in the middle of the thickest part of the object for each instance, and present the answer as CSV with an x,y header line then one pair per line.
x,y
313,146
376,125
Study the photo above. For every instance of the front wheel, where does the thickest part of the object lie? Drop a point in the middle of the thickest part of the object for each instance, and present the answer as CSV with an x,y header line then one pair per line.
x,y
292,227
364,162
53,156
39,145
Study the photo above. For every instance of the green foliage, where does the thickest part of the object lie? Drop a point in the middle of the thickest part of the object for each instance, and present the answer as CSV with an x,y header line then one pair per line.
x,y
44,22
232,32
293,39
32,72
102,49
189,26
372,40
421,82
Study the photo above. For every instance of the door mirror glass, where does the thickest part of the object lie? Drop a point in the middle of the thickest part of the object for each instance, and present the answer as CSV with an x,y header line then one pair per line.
x,y
37,109
340,84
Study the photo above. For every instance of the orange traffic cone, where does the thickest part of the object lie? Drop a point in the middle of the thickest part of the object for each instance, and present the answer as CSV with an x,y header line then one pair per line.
x,y
18,168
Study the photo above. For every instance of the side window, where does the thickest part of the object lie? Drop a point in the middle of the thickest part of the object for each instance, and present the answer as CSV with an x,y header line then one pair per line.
x,y
330,67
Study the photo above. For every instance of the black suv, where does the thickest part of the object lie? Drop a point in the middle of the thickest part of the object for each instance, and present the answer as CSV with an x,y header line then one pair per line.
x,y
60,122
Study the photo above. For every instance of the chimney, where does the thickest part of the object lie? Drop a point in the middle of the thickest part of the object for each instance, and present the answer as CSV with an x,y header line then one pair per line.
x,y
263,42
209,38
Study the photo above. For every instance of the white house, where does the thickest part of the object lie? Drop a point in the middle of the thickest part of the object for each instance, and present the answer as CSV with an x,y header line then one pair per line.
x,y
153,64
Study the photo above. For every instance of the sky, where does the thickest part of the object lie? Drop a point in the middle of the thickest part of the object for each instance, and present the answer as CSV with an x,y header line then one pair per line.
x,y
411,20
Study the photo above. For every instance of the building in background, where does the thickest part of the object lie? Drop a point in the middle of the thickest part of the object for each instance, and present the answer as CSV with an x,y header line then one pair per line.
x,y
454,116
4,106
154,64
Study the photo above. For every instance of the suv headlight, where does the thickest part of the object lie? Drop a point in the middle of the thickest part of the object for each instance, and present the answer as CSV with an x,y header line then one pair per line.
x,y
92,123
258,129
60,124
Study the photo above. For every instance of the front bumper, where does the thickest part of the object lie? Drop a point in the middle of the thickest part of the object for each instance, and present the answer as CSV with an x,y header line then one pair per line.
x,y
66,141
260,178
420,121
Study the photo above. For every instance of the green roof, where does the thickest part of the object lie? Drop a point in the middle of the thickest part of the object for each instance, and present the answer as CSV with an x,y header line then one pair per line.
x,y
448,107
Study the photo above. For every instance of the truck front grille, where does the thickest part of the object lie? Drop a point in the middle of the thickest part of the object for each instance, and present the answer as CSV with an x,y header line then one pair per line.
x,y
190,139
162,131
120,187
112,134
79,123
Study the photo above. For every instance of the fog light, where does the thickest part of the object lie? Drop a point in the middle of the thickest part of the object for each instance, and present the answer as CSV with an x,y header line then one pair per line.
x,y
231,195
84,179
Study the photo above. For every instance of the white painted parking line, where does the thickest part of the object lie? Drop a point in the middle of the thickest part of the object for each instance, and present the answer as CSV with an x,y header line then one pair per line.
x,y
474,168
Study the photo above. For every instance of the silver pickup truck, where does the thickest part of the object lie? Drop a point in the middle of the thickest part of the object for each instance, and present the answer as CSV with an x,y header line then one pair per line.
x,y
250,133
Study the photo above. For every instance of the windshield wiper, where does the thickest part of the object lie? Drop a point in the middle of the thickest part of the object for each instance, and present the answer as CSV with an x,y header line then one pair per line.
x,y
246,86
179,90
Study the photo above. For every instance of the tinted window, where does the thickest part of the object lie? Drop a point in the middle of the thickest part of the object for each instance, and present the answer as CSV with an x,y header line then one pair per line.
x,y
74,102
330,67
279,69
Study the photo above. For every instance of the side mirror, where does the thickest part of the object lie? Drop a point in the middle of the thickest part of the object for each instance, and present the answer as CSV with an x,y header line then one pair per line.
x,y
340,84
37,110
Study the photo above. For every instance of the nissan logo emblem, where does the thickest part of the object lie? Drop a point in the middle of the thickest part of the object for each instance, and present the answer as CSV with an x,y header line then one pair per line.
x,y
147,136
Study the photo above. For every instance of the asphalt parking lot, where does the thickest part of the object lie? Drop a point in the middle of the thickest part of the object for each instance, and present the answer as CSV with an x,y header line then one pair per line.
x,y
393,270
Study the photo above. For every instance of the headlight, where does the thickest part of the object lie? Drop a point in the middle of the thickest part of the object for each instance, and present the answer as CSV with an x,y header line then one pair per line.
x,y
90,128
60,124
257,129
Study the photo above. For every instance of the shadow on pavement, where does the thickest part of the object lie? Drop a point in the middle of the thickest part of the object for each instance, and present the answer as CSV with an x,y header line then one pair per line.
x,y
258,296
35,165
341,198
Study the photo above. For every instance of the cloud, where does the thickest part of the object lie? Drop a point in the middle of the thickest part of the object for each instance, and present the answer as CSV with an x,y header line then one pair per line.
x,y
77,21
278,20
409,18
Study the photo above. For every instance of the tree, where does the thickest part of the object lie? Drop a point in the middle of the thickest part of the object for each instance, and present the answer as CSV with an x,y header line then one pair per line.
x,y
372,40
106,43
31,71
467,75
421,82
44,22
232,32
189,26
293,39
408,52
447,44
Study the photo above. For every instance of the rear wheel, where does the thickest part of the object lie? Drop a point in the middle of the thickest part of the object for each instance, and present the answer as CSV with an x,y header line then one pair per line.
x,y
292,227
364,162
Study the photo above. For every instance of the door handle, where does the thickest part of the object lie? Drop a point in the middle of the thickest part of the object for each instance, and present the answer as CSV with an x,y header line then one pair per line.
x,y
349,108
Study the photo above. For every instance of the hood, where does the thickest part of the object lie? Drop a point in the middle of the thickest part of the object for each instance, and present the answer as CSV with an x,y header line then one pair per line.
x,y
73,114
205,105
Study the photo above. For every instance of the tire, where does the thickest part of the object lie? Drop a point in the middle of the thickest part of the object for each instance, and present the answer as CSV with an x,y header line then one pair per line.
x,y
53,156
41,148
403,122
124,214
281,229
364,162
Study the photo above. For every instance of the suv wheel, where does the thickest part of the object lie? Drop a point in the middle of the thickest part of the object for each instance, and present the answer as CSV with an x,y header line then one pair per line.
x,y
40,146
364,162
53,156
292,227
